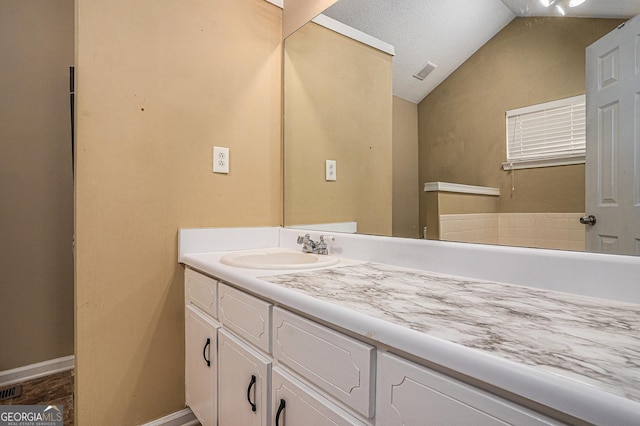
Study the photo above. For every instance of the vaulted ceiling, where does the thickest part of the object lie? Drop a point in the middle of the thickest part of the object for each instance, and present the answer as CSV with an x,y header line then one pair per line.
x,y
446,33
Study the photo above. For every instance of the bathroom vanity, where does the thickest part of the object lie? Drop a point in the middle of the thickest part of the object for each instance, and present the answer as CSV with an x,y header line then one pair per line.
x,y
392,335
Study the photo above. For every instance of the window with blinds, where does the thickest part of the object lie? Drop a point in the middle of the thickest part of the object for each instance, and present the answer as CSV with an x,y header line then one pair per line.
x,y
548,134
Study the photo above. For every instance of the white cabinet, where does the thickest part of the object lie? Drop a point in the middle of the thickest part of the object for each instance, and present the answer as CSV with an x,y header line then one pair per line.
x,y
413,395
295,403
201,291
245,315
264,365
201,362
338,364
244,385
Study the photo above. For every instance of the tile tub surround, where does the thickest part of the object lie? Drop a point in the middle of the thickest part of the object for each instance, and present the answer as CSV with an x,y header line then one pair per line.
x,y
614,277
561,231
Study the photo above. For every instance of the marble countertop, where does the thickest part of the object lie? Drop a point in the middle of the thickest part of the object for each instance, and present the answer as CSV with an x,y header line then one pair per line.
x,y
576,354
590,340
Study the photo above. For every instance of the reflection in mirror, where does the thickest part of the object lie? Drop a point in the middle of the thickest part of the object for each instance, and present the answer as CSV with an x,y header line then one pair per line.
x,y
339,105
462,125
298,12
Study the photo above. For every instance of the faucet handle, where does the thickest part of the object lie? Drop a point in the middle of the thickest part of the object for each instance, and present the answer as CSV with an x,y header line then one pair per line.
x,y
302,237
322,246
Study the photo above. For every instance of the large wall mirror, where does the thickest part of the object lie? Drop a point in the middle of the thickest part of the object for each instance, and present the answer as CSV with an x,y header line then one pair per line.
x,y
370,148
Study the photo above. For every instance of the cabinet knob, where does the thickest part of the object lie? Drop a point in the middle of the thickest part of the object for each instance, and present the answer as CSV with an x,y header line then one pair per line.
x,y
280,409
251,383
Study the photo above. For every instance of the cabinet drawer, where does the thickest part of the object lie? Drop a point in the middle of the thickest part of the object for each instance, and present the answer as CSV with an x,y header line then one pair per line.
x,y
200,291
245,315
303,406
410,394
336,363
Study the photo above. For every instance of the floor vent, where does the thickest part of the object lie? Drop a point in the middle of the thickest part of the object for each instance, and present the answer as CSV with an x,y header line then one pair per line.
x,y
11,392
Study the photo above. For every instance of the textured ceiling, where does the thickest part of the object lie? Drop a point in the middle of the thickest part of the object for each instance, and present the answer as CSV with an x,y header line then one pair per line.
x,y
447,32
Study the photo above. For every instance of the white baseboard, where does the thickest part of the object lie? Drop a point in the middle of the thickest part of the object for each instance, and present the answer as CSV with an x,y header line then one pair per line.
x,y
29,372
34,371
179,418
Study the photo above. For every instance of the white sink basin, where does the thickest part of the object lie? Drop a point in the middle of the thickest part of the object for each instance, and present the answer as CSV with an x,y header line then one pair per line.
x,y
277,258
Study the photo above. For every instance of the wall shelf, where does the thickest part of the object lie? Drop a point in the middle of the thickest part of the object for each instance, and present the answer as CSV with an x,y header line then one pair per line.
x,y
460,188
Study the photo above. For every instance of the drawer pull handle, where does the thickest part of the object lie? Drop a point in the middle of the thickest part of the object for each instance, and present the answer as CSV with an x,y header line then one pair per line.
x,y
204,352
280,408
251,383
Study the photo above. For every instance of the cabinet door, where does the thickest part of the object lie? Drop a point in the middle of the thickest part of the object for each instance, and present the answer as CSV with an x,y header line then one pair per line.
x,y
294,404
413,395
201,363
243,379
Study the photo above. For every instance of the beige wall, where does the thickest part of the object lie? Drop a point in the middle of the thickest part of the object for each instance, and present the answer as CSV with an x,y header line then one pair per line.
x,y
338,106
406,188
431,215
462,122
159,84
296,13
36,187
456,203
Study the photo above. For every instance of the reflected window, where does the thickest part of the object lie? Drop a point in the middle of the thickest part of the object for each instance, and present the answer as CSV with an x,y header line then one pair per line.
x,y
548,134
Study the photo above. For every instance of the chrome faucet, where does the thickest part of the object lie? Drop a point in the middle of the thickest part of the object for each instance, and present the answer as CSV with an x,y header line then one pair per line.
x,y
310,246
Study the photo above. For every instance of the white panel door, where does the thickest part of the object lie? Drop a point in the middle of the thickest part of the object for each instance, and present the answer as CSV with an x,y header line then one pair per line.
x,y
613,141
243,380
201,362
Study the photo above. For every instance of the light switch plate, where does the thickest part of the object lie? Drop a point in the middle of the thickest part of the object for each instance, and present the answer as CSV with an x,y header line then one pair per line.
x,y
220,159
330,169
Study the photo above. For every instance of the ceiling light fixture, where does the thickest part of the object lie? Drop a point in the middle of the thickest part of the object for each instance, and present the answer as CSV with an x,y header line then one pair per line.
x,y
571,3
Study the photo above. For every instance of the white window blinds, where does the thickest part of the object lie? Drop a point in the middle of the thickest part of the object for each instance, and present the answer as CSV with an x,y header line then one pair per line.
x,y
539,134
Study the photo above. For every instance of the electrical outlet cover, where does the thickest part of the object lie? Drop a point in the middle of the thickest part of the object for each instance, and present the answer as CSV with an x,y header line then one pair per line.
x,y
330,170
220,159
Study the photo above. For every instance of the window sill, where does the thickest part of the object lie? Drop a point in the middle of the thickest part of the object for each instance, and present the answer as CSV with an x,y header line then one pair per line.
x,y
546,162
